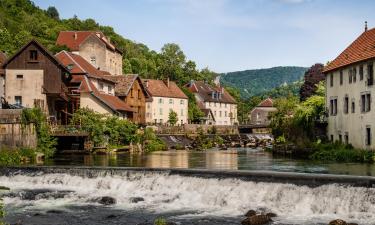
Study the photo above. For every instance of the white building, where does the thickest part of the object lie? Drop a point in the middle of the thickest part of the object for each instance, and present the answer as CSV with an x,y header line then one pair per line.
x,y
166,96
349,92
219,106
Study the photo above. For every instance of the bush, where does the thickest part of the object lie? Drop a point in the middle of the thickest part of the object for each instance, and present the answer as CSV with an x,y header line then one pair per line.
x,y
341,153
155,145
9,157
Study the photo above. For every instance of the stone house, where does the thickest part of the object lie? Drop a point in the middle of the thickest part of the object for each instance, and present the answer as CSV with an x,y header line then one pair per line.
x,y
349,92
130,89
260,114
165,96
89,87
36,78
219,106
94,47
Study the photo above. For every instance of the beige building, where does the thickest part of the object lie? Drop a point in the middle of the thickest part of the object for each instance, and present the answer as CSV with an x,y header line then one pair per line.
x,y
165,96
349,92
260,114
219,106
95,48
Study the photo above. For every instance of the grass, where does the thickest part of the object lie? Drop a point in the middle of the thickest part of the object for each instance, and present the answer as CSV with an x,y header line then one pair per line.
x,y
10,156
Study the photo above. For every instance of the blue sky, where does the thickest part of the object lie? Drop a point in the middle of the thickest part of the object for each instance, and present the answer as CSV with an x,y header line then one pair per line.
x,y
232,35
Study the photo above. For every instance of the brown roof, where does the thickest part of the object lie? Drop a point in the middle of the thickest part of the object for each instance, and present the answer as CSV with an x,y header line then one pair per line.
x,y
266,103
160,88
113,102
124,83
80,66
3,57
73,39
363,48
205,91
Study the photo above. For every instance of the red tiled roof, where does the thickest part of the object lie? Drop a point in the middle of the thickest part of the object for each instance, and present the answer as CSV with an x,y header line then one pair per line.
x,y
73,39
80,66
204,90
124,83
160,88
113,102
266,103
361,49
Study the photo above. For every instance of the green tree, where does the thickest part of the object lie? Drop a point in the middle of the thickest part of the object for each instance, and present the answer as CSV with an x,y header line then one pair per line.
x,y
53,13
172,118
171,61
194,113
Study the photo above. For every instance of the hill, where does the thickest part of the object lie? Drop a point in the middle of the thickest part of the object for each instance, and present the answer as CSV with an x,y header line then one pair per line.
x,y
262,81
22,20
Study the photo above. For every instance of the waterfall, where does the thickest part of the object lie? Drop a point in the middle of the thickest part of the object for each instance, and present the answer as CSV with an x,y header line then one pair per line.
x,y
164,192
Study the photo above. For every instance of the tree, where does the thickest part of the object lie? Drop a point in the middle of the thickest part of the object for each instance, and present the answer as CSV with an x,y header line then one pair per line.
x,y
312,77
53,13
171,62
172,118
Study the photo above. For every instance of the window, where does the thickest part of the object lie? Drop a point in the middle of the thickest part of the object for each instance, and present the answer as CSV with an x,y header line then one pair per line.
x,y
353,106
214,113
101,86
18,100
219,113
341,77
215,104
139,94
33,55
365,102
333,107
225,105
131,93
160,101
350,76
170,101
354,73
346,104
19,76
361,72
340,138
109,89
160,111
331,138
93,60
346,138
368,135
225,113
181,102
370,75
331,80
182,112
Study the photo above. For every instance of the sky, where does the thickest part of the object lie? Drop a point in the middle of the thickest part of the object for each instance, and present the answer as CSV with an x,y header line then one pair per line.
x,y
233,35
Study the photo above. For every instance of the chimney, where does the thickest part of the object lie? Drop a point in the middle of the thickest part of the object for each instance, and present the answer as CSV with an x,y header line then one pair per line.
x,y
365,26
167,82
146,83
75,35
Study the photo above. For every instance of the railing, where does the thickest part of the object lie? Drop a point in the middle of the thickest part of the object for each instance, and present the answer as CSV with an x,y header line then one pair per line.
x,y
67,130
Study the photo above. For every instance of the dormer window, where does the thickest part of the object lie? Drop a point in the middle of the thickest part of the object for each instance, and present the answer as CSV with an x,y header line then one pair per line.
x,y
33,55
101,86
93,60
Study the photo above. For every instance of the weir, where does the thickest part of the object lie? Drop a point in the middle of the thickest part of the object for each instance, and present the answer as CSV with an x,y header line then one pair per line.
x,y
307,179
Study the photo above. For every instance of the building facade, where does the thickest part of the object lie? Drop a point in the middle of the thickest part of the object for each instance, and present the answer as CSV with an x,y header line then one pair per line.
x,y
349,93
95,48
35,78
129,88
219,106
260,114
164,97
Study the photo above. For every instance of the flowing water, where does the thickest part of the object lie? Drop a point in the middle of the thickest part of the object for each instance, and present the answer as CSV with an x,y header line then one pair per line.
x,y
71,198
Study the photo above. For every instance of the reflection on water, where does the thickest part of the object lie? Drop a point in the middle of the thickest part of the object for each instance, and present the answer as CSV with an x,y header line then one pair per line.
x,y
233,159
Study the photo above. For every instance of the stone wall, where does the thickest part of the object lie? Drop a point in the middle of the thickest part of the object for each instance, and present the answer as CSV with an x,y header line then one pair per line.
x,y
195,128
12,134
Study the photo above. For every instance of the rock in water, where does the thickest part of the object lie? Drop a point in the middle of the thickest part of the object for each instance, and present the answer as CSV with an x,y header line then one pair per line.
x,y
250,213
107,200
337,222
256,220
136,199
270,214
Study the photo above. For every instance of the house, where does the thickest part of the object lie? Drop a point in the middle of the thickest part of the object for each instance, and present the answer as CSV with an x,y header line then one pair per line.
x,y
89,87
130,89
260,114
3,58
164,97
349,92
36,78
218,105
94,47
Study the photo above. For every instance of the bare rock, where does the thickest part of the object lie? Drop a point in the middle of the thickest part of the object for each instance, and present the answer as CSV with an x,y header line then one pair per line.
x,y
250,213
270,214
107,200
136,199
337,222
256,220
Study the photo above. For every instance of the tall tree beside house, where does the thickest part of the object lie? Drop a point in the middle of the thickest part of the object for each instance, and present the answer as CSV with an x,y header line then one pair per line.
x,y
172,118
312,77
195,114
53,13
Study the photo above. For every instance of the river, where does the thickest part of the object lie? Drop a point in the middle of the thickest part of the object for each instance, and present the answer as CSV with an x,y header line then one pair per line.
x,y
68,197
